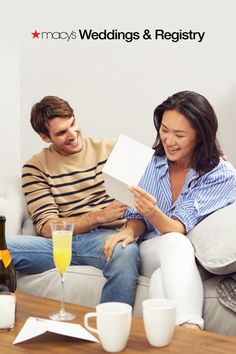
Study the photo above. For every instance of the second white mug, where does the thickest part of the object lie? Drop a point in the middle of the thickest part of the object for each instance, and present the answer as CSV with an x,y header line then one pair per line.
x,y
113,325
159,316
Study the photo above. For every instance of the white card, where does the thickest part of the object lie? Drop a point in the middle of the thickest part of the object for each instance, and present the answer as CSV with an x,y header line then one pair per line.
x,y
125,167
34,327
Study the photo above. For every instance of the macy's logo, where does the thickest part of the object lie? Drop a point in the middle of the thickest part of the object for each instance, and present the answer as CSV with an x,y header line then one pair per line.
x,y
54,35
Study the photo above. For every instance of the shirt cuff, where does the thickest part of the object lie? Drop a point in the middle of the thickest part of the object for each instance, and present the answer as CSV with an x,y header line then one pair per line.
x,y
188,218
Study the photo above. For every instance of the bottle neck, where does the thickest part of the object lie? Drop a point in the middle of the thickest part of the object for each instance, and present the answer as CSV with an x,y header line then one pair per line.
x,y
3,244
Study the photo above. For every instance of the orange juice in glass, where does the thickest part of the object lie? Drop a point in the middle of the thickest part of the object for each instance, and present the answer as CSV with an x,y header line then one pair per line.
x,y
62,249
62,232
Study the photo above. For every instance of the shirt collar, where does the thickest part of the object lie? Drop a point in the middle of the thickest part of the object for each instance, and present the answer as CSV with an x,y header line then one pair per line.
x,y
192,175
162,163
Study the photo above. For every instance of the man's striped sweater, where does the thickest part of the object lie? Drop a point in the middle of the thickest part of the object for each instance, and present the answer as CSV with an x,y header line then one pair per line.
x,y
64,186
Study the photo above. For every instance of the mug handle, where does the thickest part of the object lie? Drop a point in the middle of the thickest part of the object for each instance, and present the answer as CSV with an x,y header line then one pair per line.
x,y
86,318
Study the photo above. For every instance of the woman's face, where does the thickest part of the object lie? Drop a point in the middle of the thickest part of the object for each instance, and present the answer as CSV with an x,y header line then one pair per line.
x,y
178,137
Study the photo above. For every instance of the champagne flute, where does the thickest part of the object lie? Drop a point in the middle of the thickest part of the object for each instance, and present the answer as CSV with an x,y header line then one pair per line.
x,y
62,232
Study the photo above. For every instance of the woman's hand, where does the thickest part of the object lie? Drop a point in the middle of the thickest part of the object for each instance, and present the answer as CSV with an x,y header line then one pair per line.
x,y
112,240
144,202
134,228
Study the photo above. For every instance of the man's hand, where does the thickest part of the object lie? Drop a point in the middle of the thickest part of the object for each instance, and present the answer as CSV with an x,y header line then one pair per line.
x,y
114,211
144,202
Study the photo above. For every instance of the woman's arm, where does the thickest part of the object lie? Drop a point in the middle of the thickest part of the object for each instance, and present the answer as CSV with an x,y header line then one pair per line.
x,y
146,206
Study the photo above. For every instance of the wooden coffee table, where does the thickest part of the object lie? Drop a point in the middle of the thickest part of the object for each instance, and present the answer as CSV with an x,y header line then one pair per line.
x,y
185,341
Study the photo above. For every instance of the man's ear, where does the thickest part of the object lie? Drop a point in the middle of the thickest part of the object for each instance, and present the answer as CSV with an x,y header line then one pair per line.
x,y
45,138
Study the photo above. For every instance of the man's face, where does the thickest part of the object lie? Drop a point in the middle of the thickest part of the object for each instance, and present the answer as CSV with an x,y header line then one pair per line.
x,y
65,135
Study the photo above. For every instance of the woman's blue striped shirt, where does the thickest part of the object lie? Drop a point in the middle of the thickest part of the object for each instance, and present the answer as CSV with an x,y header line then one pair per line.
x,y
200,195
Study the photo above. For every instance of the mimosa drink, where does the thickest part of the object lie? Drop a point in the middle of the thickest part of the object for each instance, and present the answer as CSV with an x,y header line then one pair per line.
x,y
62,232
62,241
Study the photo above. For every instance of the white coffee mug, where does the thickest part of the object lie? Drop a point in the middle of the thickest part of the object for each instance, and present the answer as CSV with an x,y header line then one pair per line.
x,y
7,311
113,325
159,317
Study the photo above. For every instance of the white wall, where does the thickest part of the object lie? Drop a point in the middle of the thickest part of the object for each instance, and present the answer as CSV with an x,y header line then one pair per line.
x,y
10,144
114,86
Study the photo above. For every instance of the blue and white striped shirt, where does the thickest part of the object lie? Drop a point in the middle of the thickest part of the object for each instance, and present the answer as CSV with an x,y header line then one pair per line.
x,y
200,195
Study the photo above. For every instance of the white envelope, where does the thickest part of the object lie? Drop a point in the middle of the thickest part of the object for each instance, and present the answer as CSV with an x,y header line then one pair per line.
x,y
125,167
34,327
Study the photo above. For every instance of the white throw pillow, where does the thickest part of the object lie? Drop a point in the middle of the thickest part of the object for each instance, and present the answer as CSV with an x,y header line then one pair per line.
x,y
214,241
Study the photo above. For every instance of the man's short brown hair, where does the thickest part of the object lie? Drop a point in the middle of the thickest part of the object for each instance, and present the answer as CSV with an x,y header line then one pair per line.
x,y
48,108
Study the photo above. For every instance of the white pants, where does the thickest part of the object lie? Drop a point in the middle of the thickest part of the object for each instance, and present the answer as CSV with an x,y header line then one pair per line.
x,y
169,260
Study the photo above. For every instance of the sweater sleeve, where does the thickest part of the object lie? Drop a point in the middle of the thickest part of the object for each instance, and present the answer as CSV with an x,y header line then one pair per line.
x,y
40,202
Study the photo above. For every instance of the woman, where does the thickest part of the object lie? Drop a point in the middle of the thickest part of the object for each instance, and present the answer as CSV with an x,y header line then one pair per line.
x,y
185,181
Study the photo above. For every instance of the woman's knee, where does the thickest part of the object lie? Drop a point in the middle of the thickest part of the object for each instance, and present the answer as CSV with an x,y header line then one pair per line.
x,y
174,246
177,240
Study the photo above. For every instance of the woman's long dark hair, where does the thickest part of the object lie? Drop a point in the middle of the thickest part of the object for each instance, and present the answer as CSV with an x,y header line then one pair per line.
x,y
200,114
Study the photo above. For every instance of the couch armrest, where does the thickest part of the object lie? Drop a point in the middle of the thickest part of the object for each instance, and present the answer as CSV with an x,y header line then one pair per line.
x,y
13,206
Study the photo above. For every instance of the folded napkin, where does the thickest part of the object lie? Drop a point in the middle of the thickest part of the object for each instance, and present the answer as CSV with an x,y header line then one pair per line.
x,y
226,291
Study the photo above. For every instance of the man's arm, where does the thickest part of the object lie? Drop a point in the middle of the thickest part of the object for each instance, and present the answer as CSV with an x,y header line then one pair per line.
x,y
84,223
51,194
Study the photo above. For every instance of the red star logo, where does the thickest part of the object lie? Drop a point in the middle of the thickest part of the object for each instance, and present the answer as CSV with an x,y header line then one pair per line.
x,y
35,34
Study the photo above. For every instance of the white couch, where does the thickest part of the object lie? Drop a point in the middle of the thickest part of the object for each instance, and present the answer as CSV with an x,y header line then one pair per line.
x,y
83,284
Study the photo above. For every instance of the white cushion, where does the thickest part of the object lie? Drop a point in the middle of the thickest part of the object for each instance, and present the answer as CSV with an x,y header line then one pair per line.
x,y
11,203
214,241
13,207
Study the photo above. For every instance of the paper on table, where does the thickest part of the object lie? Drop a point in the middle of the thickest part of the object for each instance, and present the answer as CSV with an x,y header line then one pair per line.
x,y
125,167
34,327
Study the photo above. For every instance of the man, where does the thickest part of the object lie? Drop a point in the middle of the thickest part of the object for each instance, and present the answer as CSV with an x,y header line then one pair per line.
x,y
65,181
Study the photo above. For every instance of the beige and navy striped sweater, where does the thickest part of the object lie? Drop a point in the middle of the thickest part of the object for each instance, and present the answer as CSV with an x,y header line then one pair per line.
x,y
64,186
